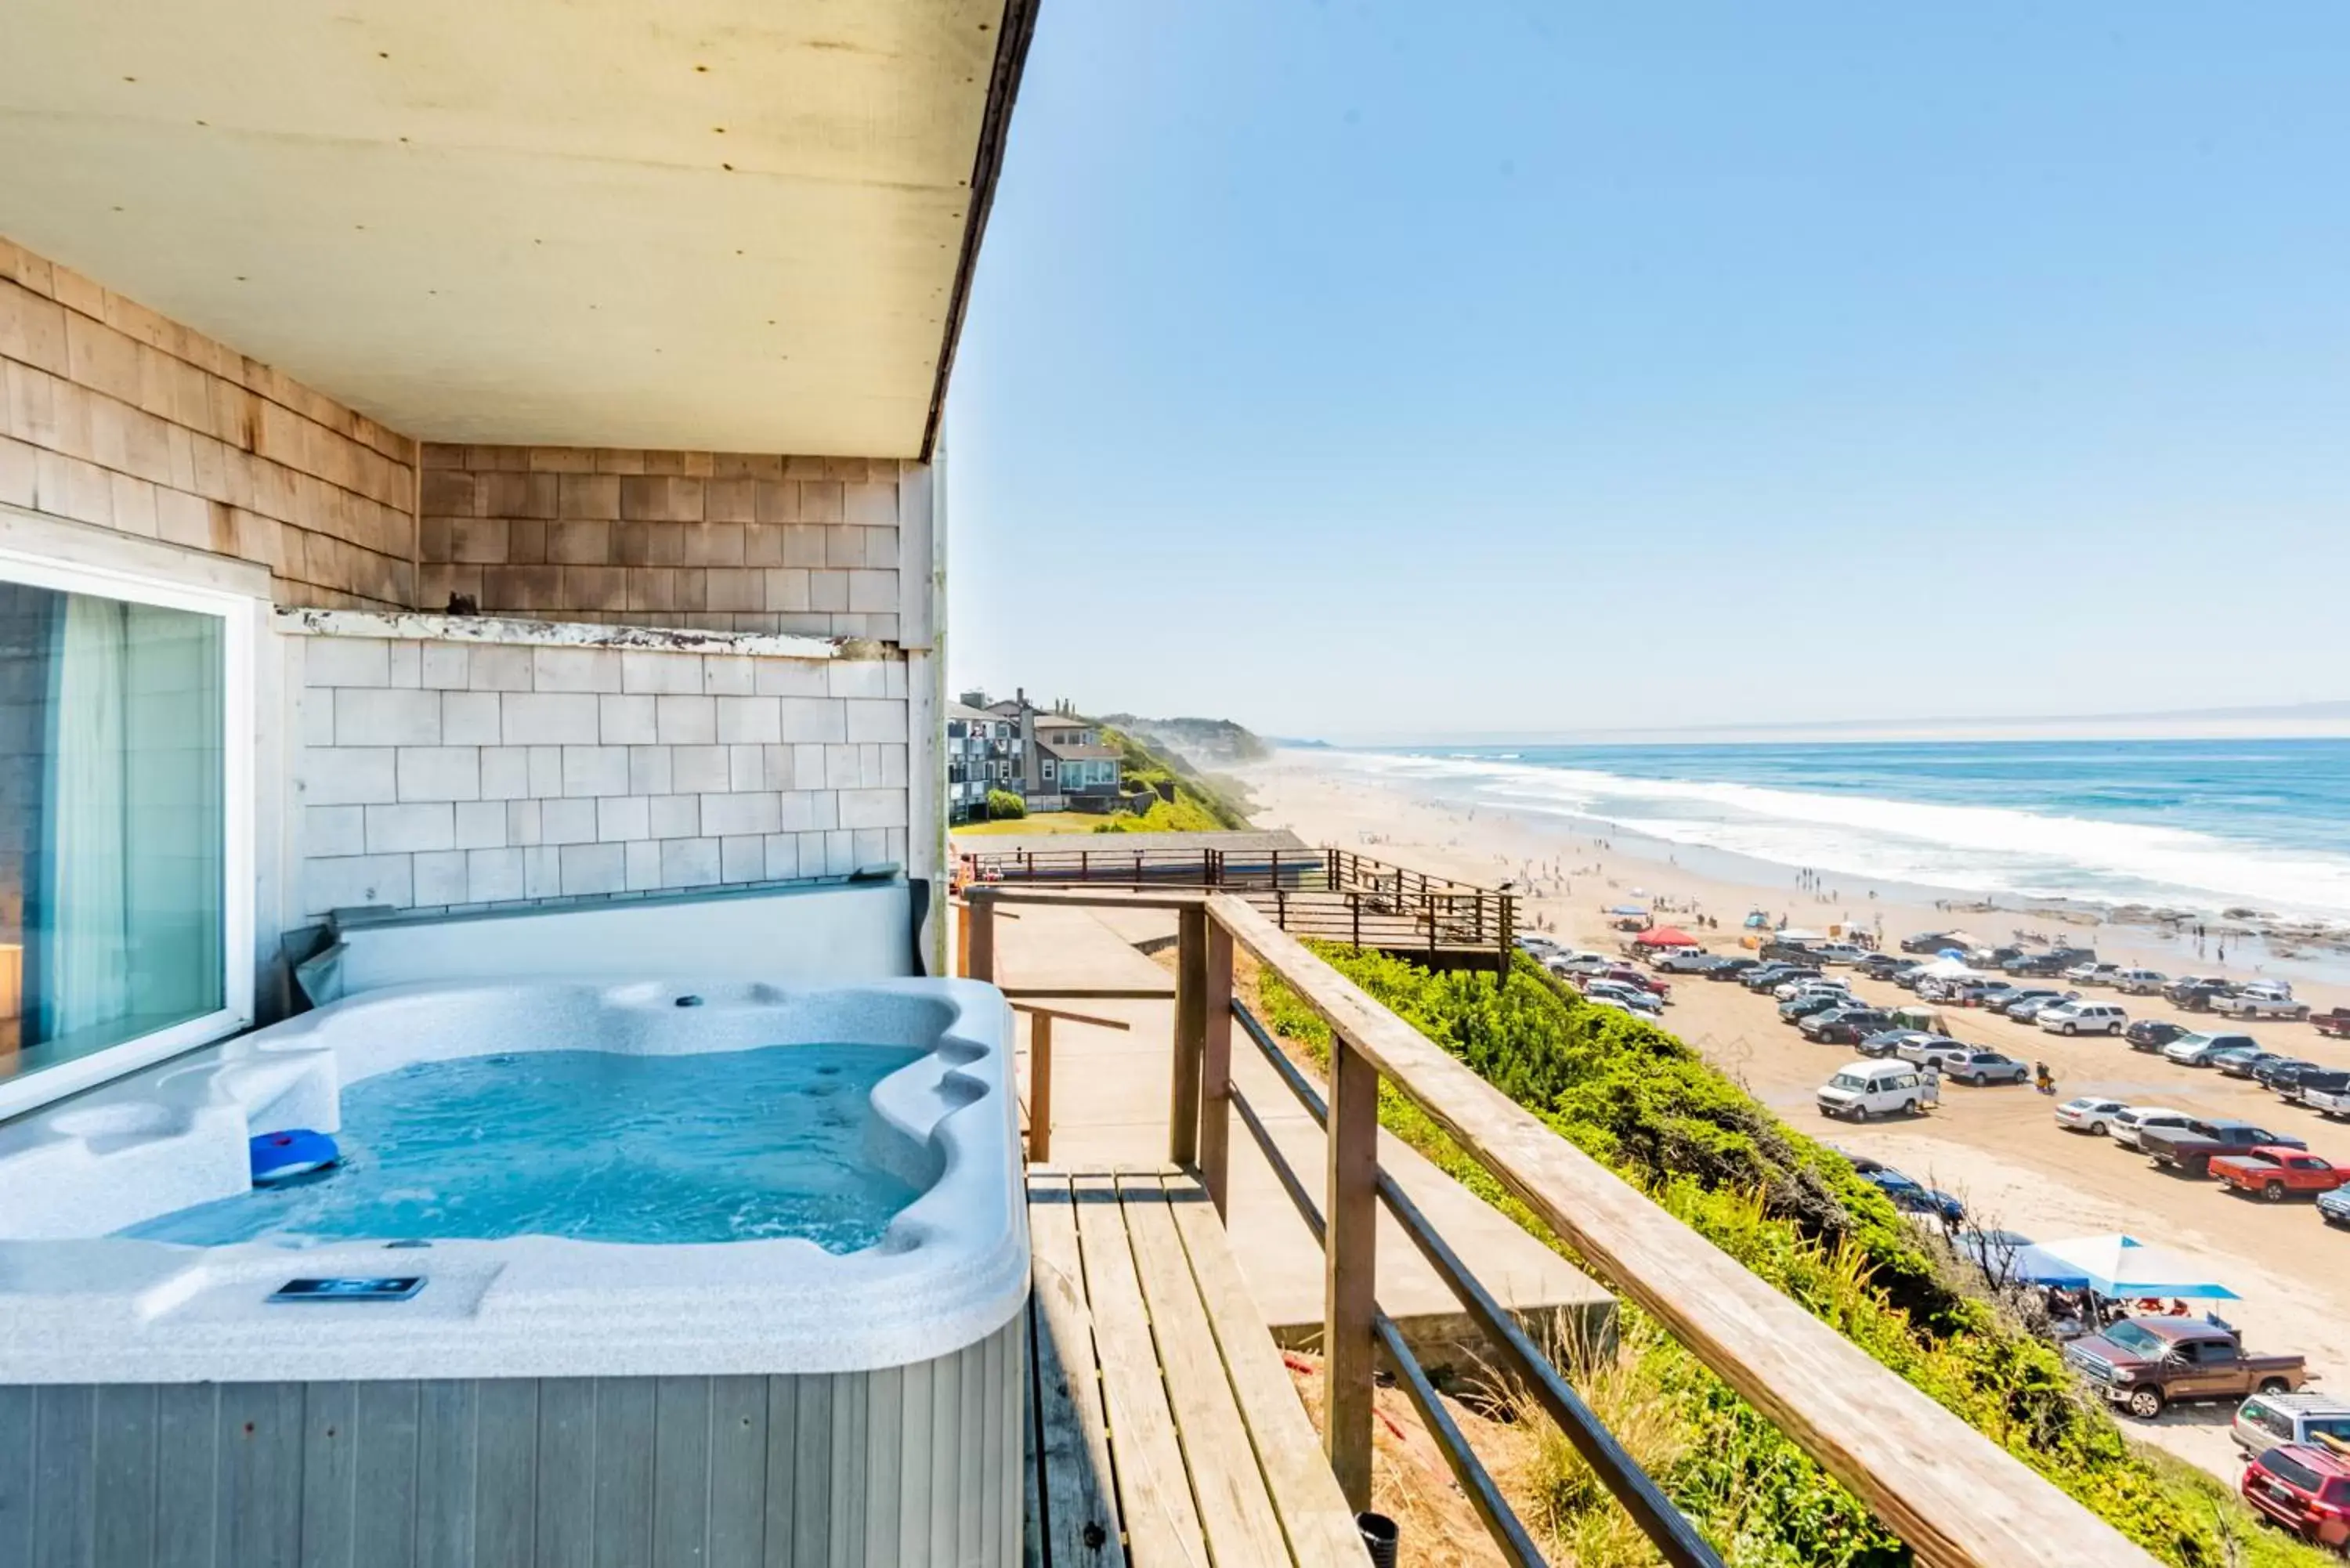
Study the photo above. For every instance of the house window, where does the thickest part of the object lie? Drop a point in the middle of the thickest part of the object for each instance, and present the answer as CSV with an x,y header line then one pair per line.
x,y
126,799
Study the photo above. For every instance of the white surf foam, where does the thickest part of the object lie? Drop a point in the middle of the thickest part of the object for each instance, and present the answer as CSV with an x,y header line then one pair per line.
x,y
1980,849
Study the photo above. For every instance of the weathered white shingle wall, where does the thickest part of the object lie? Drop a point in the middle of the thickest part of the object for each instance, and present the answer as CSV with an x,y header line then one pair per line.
x,y
446,774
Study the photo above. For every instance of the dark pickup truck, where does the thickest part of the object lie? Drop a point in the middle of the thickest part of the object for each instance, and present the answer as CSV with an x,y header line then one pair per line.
x,y
2192,1147
2143,1364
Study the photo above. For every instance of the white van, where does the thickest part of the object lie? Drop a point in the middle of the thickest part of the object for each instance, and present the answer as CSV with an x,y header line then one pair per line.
x,y
1864,1089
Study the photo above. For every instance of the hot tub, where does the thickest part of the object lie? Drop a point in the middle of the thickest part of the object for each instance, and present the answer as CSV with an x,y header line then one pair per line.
x,y
560,1388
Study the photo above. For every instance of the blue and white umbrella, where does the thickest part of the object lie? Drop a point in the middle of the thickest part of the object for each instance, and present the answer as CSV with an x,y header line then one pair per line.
x,y
2123,1267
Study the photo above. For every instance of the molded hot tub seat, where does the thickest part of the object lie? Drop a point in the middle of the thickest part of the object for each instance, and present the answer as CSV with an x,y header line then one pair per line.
x,y
623,1402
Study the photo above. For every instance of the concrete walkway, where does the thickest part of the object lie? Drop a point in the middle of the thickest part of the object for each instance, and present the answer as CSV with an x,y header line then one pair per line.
x,y
1110,1093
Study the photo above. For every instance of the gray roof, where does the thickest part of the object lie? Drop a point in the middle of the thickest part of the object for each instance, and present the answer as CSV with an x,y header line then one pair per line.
x,y
1070,752
964,711
1248,841
1061,722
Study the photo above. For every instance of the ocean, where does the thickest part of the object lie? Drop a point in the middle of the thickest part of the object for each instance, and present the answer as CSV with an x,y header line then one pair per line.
x,y
2196,824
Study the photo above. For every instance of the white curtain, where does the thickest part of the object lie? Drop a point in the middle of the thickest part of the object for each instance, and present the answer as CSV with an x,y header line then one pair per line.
x,y
86,951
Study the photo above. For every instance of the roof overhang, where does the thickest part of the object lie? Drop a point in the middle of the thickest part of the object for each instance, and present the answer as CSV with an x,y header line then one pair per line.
x,y
707,224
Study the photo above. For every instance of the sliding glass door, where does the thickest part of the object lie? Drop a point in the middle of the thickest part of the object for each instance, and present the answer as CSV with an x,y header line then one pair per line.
x,y
122,917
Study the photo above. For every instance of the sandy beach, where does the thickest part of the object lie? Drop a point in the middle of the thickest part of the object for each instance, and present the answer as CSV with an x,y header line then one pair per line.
x,y
1996,1148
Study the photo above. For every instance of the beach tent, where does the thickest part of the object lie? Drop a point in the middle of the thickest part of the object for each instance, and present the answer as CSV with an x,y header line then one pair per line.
x,y
2124,1267
1958,953
1947,968
2008,1259
1665,937
1791,934
1629,910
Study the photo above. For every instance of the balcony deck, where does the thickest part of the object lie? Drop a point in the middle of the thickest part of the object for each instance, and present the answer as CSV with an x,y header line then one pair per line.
x,y
1162,1421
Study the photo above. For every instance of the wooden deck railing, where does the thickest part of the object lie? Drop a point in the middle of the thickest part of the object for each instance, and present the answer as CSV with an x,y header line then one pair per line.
x,y
1336,895
1956,1498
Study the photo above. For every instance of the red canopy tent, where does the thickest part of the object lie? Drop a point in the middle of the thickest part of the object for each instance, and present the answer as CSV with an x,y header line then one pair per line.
x,y
1665,937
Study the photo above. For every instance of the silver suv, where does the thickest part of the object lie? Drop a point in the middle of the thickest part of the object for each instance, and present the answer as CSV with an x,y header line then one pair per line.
x,y
2265,1421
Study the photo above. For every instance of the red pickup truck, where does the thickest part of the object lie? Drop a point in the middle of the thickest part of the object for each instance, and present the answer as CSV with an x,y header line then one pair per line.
x,y
2275,1172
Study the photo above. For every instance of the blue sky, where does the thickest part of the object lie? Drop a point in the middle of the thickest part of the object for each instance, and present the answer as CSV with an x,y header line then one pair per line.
x,y
1391,371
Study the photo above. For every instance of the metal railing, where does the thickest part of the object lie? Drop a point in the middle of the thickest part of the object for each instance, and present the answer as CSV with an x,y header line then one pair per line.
x,y
1956,1498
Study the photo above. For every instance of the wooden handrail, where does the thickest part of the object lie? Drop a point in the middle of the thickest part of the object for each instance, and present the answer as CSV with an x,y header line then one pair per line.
x,y
1040,1069
1955,1497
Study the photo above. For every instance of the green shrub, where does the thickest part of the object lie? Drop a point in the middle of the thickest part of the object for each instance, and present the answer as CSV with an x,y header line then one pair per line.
x,y
1795,1213
1004,805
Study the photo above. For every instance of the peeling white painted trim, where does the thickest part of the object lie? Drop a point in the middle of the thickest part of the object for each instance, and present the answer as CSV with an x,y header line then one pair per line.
x,y
568,634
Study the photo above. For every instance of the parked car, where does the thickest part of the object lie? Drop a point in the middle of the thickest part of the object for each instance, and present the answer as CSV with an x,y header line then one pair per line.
x,y
2133,1122
1931,943
1795,1009
1931,1050
2193,1147
2197,1050
2305,1488
2244,1062
2144,1364
1844,1025
2152,1034
2250,1002
2091,1113
2334,1022
2140,982
1883,966
2265,1421
2277,1174
1628,996
2196,998
1733,966
2322,1093
2054,961
1887,1041
1684,960
1768,976
2082,1018
1911,978
2323,1081
1810,984
2178,990
1844,953
2027,1006
1864,1089
1645,981
2093,973
1980,1067
2279,1073
1914,1197
2333,1207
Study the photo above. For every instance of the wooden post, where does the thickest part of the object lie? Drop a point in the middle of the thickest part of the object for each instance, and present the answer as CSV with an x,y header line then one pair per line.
x,y
1354,905
981,910
1040,1087
1349,1298
1216,1068
961,907
1508,936
1191,1036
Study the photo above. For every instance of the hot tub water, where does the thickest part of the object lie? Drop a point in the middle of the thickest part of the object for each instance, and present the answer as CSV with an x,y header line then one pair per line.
x,y
591,1145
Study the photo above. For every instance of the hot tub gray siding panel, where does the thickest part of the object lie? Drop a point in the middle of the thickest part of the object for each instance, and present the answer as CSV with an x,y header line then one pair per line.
x,y
908,1465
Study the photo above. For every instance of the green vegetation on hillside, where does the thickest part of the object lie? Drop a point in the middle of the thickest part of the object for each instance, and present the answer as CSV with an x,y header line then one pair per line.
x,y
1209,742
1795,1213
1199,806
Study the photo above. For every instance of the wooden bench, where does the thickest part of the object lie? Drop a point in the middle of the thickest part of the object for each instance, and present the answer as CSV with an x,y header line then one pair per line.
x,y
1163,1424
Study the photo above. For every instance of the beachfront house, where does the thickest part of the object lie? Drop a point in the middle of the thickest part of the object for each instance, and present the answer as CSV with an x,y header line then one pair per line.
x,y
983,751
471,539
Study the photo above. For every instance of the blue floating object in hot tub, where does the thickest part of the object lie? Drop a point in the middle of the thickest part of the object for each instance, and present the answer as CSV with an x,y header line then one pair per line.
x,y
295,1151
